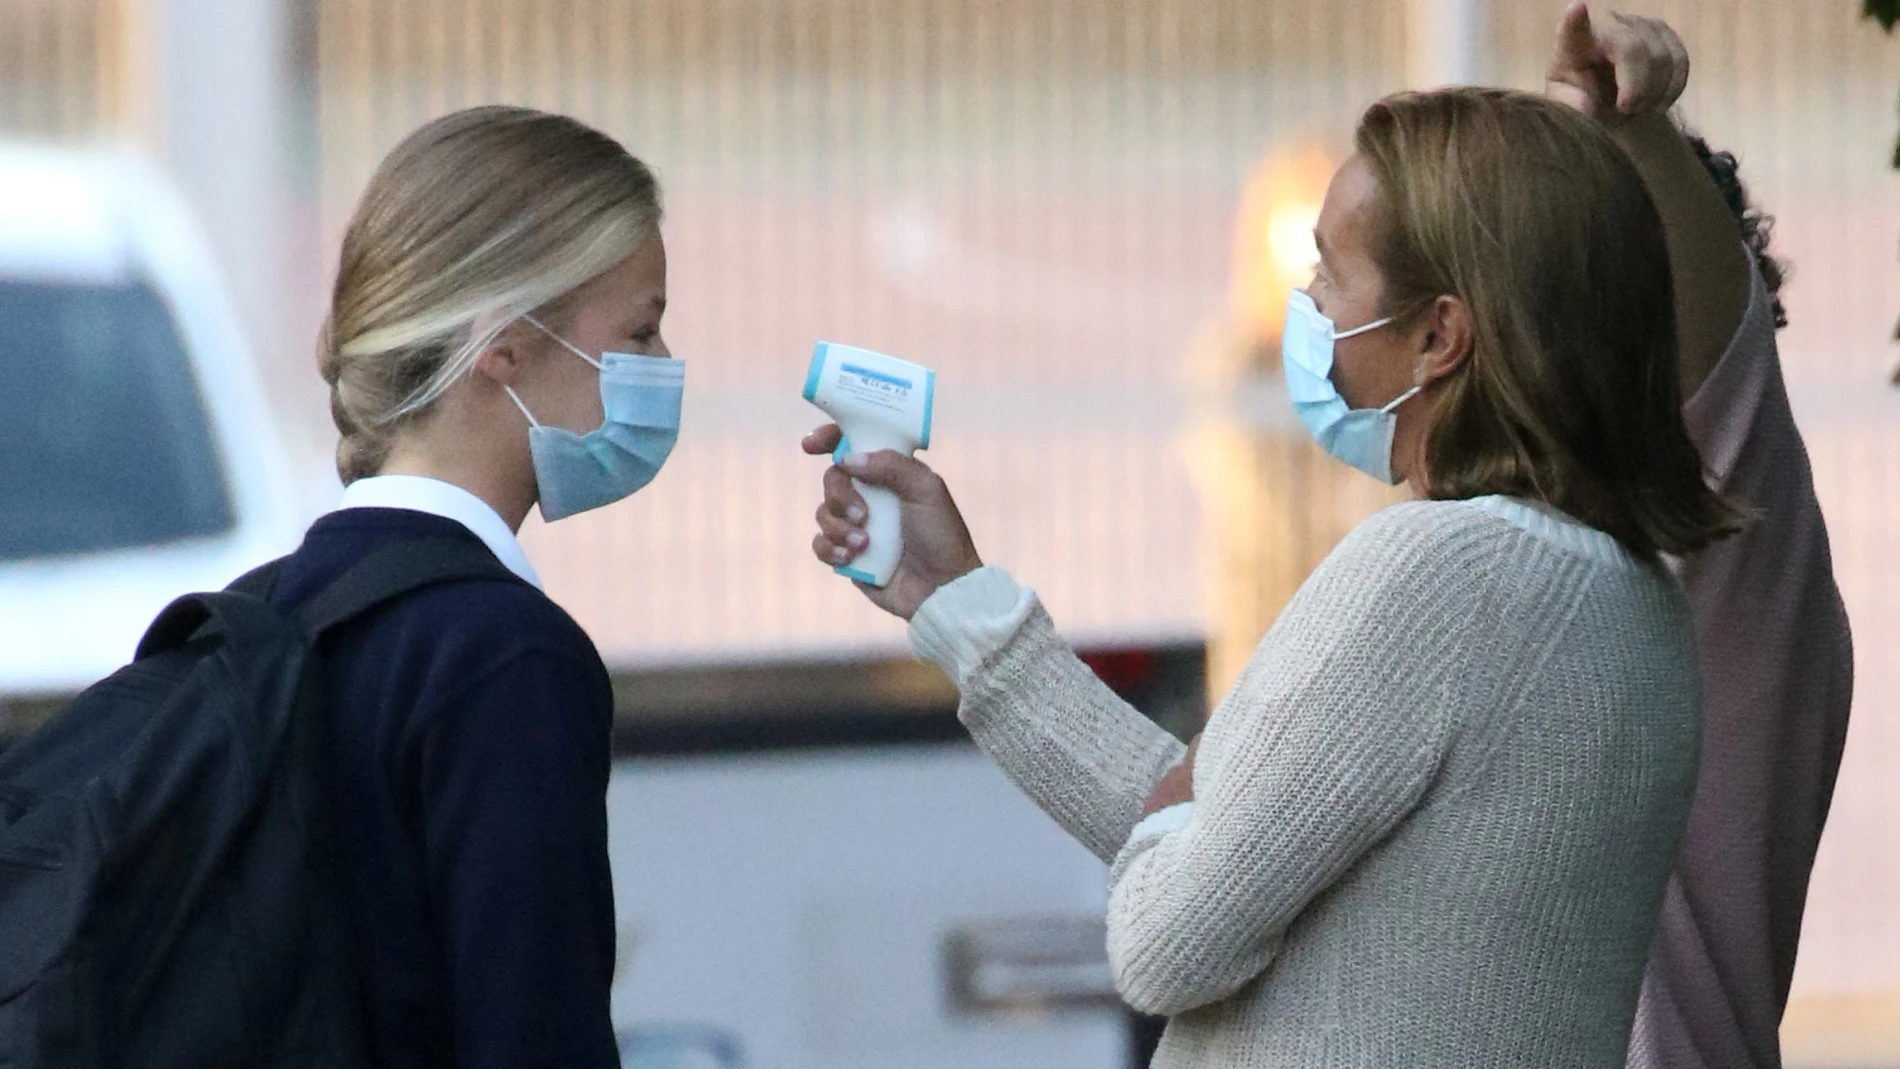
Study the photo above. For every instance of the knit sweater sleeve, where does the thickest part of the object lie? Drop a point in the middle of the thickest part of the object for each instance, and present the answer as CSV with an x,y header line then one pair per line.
x,y
1085,756
1329,739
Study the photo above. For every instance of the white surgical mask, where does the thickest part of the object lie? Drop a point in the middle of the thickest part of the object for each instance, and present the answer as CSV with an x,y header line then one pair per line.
x,y
1361,437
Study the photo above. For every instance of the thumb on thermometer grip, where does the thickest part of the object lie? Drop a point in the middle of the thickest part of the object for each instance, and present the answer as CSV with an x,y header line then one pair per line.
x,y
907,477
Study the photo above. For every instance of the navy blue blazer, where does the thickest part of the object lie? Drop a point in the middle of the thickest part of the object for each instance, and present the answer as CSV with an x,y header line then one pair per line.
x,y
468,754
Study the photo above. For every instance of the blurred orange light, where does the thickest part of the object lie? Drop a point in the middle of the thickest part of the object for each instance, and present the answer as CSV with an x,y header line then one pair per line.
x,y
1273,238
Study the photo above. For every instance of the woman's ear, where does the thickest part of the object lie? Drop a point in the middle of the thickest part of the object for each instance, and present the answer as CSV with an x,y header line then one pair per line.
x,y
1447,339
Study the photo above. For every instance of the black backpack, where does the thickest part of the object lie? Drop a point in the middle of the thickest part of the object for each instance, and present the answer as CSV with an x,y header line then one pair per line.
x,y
165,898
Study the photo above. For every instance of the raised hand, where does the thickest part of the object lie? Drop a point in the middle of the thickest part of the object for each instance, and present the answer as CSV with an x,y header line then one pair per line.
x,y
1628,66
937,545
1627,73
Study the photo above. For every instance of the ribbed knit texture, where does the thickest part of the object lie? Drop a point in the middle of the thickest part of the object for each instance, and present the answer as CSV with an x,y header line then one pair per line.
x,y
1432,821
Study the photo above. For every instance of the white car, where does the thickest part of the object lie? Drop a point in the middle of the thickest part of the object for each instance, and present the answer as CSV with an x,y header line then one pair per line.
x,y
138,457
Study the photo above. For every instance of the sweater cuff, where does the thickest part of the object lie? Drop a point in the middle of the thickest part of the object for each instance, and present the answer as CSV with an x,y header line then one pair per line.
x,y
1147,834
967,620
1162,822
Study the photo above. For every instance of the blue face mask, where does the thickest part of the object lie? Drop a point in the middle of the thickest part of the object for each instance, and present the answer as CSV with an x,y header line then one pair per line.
x,y
641,398
1361,437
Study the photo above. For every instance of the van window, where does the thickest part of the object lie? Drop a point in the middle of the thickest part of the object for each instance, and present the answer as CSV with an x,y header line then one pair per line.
x,y
103,437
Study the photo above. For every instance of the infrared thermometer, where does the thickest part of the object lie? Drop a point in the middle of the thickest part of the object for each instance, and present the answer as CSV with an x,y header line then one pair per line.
x,y
880,402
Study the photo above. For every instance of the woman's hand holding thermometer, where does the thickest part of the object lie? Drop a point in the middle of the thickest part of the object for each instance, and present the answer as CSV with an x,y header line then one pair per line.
x,y
879,402
936,544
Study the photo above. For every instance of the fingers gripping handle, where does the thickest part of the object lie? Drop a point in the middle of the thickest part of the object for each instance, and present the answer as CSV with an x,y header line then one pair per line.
x,y
883,524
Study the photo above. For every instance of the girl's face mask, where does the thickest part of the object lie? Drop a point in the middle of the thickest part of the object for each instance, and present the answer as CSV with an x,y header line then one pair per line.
x,y
640,396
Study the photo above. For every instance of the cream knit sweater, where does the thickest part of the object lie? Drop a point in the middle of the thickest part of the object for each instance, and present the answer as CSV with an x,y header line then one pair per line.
x,y
1432,823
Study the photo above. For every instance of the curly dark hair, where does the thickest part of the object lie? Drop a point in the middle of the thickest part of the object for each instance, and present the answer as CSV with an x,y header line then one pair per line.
x,y
1757,228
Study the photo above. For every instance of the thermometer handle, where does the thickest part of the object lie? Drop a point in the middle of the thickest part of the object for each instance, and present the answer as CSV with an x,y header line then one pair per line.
x,y
884,524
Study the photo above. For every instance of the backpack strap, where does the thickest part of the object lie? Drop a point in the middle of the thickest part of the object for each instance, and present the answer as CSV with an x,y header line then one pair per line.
x,y
258,581
186,618
387,573
391,571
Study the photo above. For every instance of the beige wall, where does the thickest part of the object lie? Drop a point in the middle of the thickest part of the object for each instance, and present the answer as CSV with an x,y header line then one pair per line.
x,y
55,68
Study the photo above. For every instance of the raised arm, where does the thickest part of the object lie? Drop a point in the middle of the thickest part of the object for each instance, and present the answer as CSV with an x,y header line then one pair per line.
x,y
1627,72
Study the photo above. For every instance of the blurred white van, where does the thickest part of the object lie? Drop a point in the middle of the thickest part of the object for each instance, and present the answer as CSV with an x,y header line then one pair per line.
x,y
138,458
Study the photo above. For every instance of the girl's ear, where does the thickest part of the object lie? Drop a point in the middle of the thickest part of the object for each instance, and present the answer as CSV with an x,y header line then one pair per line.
x,y
502,360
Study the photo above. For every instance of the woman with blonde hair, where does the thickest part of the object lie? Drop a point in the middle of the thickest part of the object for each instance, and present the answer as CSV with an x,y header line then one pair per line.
x,y
493,346
1431,824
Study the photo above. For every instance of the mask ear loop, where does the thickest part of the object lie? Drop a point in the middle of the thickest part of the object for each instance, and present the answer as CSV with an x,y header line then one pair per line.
x,y
512,396
536,323
1410,393
1375,325
1401,399
1341,335
493,330
571,347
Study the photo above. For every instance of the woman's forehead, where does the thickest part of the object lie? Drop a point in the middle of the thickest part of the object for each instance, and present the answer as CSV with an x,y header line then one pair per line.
x,y
1345,217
